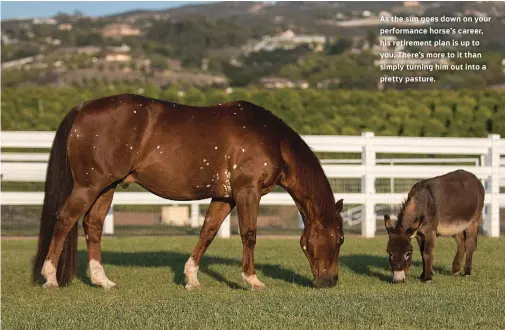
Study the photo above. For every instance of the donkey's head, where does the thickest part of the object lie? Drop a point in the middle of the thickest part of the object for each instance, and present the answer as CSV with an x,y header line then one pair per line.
x,y
321,245
400,247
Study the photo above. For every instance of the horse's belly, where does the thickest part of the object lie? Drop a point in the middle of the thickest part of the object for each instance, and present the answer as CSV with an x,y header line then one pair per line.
x,y
450,229
189,185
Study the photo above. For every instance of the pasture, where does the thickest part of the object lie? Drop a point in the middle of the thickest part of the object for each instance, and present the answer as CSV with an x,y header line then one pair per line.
x,y
149,272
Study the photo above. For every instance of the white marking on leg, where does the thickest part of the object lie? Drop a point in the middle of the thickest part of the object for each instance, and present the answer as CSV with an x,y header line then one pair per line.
x,y
398,276
253,281
191,272
49,273
98,275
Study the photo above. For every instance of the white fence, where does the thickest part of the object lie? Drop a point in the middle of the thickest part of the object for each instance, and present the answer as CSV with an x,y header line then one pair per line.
x,y
483,153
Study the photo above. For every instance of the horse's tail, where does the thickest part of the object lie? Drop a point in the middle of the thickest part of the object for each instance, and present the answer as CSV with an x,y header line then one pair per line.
x,y
58,186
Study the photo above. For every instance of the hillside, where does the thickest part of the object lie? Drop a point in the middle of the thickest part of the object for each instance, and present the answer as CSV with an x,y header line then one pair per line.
x,y
229,44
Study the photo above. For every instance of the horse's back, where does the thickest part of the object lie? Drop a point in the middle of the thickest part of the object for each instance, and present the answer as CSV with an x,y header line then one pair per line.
x,y
154,141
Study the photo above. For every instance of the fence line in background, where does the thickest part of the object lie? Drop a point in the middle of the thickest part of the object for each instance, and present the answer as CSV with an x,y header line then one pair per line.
x,y
487,152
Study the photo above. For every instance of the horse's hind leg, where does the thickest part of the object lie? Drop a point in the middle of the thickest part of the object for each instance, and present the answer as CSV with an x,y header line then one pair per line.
x,y
79,201
217,212
456,264
470,244
93,225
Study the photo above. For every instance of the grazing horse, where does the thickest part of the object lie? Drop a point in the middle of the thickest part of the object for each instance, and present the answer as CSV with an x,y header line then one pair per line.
x,y
233,153
446,205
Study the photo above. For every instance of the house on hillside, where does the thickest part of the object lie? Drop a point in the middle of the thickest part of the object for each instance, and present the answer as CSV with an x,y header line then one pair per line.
x,y
285,40
116,56
411,4
65,27
116,30
50,21
279,82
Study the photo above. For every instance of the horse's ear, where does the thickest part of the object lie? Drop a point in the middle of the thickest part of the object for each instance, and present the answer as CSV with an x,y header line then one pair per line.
x,y
388,223
339,206
412,230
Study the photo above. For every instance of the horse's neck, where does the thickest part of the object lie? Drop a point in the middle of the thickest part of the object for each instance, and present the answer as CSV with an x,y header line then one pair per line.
x,y
312,201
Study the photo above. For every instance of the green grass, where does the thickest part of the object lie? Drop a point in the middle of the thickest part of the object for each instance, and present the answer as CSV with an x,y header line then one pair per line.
x,y
151,294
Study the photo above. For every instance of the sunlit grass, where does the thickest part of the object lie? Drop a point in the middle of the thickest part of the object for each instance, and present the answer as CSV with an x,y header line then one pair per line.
x,y
149,270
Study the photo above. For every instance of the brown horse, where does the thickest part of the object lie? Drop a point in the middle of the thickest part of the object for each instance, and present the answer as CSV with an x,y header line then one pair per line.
x,y
233,153
447,205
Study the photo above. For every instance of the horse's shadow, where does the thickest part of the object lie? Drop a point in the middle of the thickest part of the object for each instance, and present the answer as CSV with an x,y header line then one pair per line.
x,y
365,264
175,261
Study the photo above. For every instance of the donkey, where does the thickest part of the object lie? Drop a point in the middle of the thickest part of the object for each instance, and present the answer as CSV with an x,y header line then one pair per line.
x,y
447,205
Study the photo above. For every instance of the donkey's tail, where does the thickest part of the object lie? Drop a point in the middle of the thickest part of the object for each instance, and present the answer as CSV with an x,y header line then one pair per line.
x,y
58,186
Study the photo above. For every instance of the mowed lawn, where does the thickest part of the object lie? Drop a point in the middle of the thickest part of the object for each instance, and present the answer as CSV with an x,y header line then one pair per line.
x,y
149,272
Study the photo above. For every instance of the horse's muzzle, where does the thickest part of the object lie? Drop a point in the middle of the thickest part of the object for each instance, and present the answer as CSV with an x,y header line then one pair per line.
x,y
325,282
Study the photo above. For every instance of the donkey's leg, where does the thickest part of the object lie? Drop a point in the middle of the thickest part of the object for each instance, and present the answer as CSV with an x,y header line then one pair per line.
x,y
247,200
420,241
79,201
93,225
429,245
217,212
470,244
456,264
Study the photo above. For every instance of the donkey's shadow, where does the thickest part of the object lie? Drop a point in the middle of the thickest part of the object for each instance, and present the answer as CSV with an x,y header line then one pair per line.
x,y
365,264
175,261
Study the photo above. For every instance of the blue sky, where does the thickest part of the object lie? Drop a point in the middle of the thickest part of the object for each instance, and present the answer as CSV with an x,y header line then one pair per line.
x,y
16,9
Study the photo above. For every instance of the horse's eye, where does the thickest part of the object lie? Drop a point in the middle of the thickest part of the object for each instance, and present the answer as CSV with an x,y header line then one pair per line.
x,y
407,255
390,254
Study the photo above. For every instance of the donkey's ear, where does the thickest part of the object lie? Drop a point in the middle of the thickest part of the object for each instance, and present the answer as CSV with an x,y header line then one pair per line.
x,y
412,230
388,223
339,206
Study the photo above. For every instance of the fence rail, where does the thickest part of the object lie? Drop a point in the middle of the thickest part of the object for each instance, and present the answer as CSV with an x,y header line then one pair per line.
x,y
485,164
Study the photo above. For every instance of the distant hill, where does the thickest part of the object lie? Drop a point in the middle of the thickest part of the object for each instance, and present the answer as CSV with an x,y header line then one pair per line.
x,y
218,42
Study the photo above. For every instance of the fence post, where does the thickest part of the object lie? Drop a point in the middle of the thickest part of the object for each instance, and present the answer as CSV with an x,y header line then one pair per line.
x,y
224,230
368,220
491,224
108,225
195,213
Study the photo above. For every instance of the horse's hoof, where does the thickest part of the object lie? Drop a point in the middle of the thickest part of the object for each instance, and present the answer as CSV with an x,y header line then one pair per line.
x,y
110,285
107,284
468,273
192,286
258,287
49,285
455,273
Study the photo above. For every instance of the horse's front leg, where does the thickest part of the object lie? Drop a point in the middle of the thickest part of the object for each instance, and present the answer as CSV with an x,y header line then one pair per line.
x,y
93,225
247,209
217,212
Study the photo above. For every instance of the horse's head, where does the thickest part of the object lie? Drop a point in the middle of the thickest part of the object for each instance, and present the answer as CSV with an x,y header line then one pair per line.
x,y
400,247
321,245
